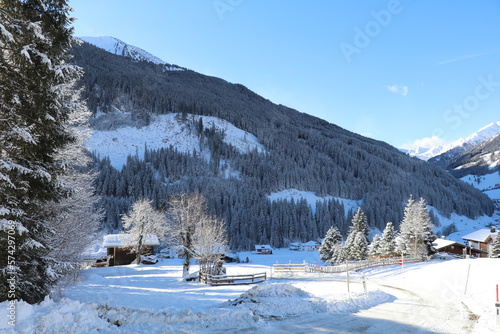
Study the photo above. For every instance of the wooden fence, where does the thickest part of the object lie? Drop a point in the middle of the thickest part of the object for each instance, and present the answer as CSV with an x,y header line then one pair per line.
x,y
359,265
289,268
217,280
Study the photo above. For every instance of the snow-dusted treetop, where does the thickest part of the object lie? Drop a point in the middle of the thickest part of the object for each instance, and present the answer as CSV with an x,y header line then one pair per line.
x,y
120,48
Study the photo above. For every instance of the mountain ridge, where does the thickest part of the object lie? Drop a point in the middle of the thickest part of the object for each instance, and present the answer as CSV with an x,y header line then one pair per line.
x,y
460,145
481,159
118,47
302,152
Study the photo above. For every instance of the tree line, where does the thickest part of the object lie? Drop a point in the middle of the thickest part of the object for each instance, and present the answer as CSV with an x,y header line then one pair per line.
x,y
414,239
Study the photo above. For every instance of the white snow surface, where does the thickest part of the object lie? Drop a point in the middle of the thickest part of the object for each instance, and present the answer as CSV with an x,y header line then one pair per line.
x,y
312,198
489,183
452,296
476,138
163,131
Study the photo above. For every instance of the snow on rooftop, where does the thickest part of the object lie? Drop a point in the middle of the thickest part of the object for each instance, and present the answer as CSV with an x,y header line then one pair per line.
x,y
313,243
441,243
480,235
123,240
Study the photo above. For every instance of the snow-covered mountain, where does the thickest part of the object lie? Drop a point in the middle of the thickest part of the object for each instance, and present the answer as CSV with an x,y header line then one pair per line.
x,y
274,149
457,147
120,48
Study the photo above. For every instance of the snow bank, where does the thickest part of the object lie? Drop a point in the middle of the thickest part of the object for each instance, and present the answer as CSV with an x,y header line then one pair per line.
x,y
66,316
284,300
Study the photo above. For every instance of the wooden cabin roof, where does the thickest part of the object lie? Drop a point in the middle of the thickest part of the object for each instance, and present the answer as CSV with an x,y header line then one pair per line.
x,y
124,240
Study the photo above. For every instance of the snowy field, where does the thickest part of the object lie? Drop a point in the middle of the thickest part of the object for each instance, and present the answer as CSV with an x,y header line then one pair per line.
x,y
439,296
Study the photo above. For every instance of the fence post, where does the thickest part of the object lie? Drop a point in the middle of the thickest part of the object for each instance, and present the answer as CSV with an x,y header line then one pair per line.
x,y
348,288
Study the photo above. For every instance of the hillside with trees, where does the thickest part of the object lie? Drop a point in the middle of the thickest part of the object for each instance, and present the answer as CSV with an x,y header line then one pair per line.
x,y
301,152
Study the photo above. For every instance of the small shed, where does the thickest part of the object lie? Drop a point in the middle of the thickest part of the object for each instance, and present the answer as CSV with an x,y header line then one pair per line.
x,y
119,248
309,246
295,246
263,249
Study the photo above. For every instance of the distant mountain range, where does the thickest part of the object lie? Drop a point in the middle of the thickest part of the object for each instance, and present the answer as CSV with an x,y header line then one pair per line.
x,y
457,147
158,131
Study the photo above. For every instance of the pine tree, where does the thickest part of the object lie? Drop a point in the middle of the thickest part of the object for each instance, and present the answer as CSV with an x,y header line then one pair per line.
x,y
495,247
360,222
416,229
355,245
375,247
359,249
388,242
34,109
331,247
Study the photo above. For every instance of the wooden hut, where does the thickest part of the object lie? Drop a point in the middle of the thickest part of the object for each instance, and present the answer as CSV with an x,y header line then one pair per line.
x,y
119,248
263,249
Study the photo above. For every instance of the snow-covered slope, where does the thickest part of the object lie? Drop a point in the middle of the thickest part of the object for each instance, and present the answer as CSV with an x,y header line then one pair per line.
x,y
312,198
118,47
163,131
459,145
489,184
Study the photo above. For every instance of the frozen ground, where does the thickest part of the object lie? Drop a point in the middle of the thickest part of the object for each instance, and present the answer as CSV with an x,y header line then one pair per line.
x,y
453,296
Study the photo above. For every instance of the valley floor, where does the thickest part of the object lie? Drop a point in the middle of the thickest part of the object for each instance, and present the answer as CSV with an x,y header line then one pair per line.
x,y
439,296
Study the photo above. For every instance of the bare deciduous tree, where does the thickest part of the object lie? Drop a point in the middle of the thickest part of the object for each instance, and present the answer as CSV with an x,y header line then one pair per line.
x,y
209,243
142,220
198,234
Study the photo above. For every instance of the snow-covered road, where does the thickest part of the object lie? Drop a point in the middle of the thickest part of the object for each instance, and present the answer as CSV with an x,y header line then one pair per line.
x,y
456,296
412,311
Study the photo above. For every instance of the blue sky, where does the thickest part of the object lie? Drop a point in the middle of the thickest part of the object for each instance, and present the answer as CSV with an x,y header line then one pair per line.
x,y
398,71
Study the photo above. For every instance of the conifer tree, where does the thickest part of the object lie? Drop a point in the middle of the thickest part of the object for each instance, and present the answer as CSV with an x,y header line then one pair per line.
x,y
359,249
416,229
35,103
331,247
356,245
388,242
495,247
375,247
